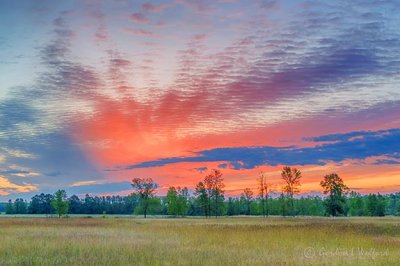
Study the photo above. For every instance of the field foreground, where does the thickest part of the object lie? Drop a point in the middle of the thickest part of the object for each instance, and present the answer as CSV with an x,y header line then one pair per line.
x,y
223,241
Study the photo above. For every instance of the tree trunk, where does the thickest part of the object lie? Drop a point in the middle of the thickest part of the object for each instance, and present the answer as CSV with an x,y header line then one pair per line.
x,y
216,207
209,206
263,205
292,204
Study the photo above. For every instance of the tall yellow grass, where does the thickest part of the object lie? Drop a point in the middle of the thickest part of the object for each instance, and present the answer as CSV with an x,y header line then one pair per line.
x,y
223,241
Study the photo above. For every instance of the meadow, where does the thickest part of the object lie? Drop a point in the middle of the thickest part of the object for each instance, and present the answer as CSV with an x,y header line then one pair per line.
x,y
197,241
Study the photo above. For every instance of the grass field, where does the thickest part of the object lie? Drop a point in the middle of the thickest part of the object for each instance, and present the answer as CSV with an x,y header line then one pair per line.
x,y
223,241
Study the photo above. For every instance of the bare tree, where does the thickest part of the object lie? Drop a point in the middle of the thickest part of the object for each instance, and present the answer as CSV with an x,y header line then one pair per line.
x,y
248,197
263,193
292,177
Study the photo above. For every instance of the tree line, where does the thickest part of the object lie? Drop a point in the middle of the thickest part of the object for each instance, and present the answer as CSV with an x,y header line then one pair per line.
x,y
208,199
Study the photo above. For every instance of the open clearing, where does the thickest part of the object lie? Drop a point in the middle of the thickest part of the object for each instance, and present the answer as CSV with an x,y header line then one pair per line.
x,y
190,241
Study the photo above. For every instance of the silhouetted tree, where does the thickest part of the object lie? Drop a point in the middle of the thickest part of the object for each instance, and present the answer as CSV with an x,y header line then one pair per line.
x,y
334,187
145,189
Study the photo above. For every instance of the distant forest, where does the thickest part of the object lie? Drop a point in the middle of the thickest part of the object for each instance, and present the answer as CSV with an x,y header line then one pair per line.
x,y
208,200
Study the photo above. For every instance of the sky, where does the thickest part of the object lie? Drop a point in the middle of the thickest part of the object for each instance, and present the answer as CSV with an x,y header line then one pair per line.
x,y
96,93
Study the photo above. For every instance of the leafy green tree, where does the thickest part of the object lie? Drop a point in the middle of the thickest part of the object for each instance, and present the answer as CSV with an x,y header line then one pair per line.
x,y
125,204
356,204
392,201
283,205
10,207
145,189
41,204
398,208
382,204
334,187
202,199
177,201
292,177
172,201
60,203
231,207
75,204
372,204
193,208
20,206
154,206
317,207
376,205
183,199
210,195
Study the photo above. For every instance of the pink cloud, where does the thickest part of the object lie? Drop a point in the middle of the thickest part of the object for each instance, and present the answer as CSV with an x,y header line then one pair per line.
x,y
161,23
199,37
140,32
198,6
139,18
150,44
154,8
101,33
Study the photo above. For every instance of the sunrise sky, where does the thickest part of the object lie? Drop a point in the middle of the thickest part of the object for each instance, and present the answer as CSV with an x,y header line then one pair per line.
x,y
95,93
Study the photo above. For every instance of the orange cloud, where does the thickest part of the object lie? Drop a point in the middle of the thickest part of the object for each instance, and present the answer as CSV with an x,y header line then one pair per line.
x,y
7,187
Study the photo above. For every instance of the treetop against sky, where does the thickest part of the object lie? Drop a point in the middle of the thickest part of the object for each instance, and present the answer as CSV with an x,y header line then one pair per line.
x,y
95,93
